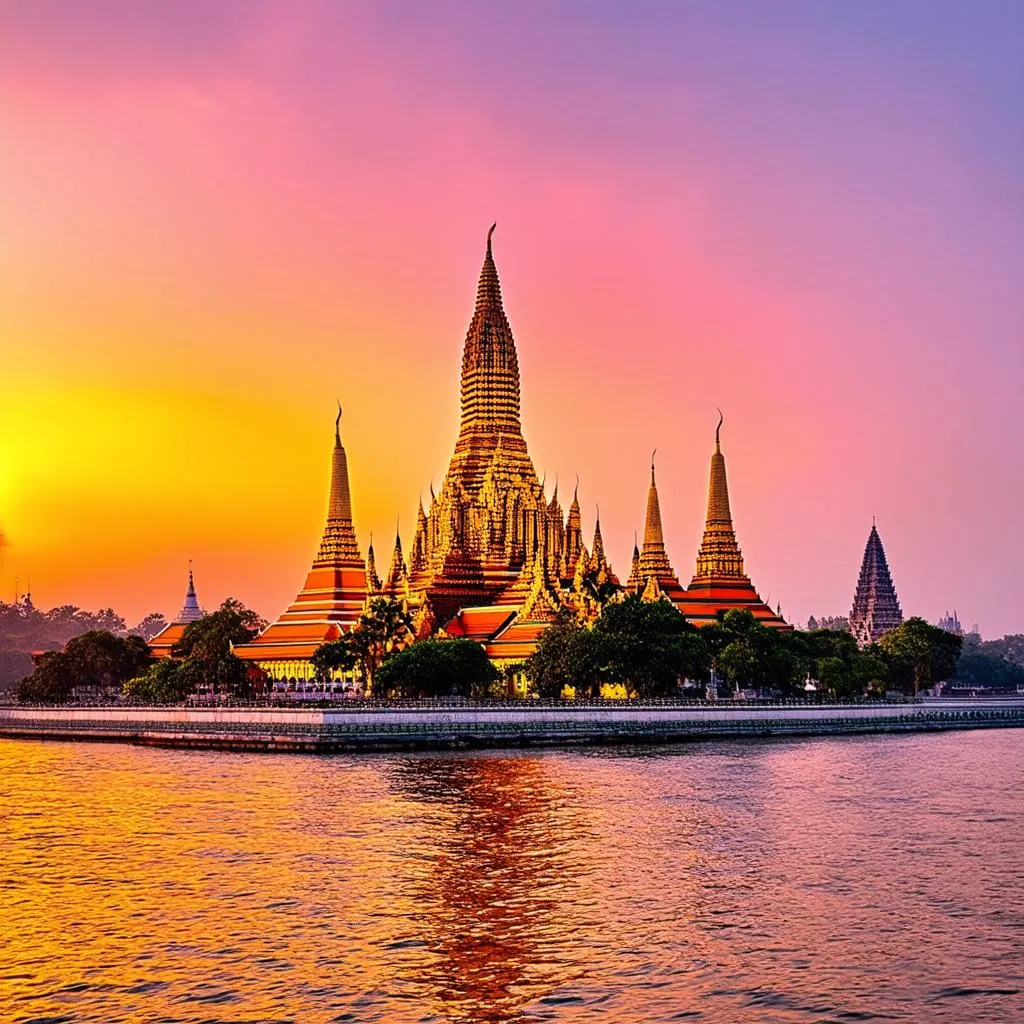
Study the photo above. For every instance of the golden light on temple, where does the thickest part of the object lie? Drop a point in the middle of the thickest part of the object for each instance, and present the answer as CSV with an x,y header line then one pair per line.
x,y
494,559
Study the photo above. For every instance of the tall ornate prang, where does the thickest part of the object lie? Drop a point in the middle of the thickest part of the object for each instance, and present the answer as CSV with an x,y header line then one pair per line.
x,y
491,521
876,608
334,594
720,582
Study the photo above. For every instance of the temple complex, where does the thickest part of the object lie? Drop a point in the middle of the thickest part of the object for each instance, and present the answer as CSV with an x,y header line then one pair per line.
x,y
334,594
876,608
720,583
160,645
492,558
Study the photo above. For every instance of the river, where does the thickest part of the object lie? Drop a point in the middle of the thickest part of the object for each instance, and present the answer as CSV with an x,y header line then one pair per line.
x,y
843,879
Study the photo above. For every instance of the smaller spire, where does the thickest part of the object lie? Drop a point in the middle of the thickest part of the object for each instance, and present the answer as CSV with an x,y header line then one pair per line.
x,y
190,610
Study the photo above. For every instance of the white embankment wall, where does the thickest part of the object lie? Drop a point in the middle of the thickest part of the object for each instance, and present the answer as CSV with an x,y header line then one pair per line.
x,y
479,724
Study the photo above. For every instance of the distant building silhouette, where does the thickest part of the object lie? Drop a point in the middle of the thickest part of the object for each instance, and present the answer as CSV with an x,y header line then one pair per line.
x,y
951,623
876,608
836,622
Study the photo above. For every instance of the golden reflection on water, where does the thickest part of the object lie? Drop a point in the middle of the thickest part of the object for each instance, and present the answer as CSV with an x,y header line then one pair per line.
x,y
765,882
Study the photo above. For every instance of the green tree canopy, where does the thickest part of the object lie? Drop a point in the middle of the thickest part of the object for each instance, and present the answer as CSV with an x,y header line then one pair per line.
x,y
919,654
334,656
164,683
380,630
437,668
96,660
204,650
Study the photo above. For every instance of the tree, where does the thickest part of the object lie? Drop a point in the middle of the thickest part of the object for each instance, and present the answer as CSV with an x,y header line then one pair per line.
x,y
842,668
149,626
920,654
437,668
334,656
649,647
96,661
380,629
985,665
164,683
552,666
205,650
747,655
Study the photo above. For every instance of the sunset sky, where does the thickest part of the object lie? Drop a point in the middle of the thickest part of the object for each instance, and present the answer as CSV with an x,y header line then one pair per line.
x,y
217,218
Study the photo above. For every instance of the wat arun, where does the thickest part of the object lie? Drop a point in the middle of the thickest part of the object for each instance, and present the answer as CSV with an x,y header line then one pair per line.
x,y
491,537
493,558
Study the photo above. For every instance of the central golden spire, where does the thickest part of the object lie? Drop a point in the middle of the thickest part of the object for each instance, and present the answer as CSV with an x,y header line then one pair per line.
x,y
490,366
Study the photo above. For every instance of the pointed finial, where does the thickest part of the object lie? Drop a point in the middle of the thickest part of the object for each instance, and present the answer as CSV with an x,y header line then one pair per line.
x,y
655,452
576,489
398,534
597,519
489,233
371,540
337,424
718,429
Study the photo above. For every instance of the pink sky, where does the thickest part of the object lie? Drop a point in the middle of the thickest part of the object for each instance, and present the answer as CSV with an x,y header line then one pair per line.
x,y
220,217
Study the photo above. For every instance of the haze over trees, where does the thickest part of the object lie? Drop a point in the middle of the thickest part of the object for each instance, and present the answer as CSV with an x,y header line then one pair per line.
x,y
25,628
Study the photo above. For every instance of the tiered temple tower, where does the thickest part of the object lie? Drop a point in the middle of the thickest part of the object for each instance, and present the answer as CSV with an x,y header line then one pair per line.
x,y
160,645
334,594
876,608
720,583
491,538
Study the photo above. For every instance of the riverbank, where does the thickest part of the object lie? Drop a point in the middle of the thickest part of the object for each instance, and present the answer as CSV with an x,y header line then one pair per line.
x,y
478,726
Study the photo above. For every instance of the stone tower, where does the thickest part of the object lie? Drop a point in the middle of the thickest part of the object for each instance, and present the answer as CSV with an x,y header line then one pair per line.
x,y
876,608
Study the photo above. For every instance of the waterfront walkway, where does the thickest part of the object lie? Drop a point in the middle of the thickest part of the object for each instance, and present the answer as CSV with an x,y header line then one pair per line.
x,y
444,725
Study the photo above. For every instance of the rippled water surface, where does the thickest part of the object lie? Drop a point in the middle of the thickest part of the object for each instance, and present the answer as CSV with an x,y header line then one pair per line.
x,y
819,880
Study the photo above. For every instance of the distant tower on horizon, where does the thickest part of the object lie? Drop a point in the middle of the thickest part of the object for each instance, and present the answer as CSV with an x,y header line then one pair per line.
x,y
190,610
161,644
876,609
